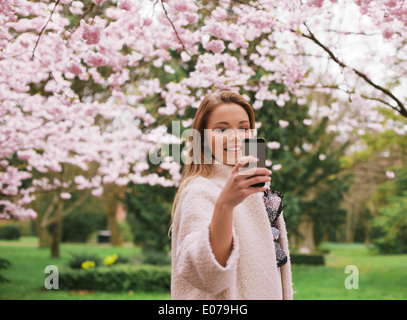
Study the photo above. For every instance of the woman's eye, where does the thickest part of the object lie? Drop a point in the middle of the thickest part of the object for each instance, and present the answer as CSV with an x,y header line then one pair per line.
x,y
223,130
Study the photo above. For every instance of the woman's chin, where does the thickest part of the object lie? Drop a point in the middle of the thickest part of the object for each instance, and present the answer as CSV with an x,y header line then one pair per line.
x,y
231,158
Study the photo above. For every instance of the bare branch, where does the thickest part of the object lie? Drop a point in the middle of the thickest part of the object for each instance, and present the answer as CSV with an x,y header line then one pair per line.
x,y
45,221
175,30
43,28
77,203
336,87
401,108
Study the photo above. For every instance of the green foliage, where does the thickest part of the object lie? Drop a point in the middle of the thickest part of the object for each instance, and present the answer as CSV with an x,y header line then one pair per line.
x,y
10,232
117,278
389,224
76,260
149,210
311,186
4,264
156,258
78,225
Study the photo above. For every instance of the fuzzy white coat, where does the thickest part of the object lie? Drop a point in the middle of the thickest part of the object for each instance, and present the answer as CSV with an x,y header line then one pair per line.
x,y
251,270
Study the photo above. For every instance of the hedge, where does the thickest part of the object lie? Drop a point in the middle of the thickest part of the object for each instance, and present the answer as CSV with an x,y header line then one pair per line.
x,y
145,278
313,259
10,232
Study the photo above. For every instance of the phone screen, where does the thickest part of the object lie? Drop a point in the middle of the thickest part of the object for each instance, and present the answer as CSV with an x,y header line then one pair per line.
x,y
257,148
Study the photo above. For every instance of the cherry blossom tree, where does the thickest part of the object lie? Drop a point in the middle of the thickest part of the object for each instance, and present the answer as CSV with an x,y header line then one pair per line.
x,y
88,88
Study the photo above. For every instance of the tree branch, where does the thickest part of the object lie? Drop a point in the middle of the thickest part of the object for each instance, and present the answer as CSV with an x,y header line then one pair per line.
x,y
77,203
43,28
401,108
175,30
45,221
336,87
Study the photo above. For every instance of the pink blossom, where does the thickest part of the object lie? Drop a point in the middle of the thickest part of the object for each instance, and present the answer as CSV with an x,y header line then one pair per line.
x,y
322,157
276,167
315,3
180,5
96,59
90,32
273,145
97,192
124,4
214,29
65,196
76,7
99,2
388,33
75,69
216,46
283,123
100,131
169,69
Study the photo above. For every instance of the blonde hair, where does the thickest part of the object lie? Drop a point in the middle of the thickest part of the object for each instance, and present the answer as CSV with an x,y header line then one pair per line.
x,y
203,167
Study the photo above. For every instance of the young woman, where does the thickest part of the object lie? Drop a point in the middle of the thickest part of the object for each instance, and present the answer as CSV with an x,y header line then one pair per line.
x,y
229,240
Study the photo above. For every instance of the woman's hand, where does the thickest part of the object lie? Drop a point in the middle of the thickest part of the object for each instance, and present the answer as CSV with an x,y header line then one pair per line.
x,y
237,186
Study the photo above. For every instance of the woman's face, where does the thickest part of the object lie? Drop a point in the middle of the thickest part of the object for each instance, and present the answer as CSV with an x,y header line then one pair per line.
x,y
227,126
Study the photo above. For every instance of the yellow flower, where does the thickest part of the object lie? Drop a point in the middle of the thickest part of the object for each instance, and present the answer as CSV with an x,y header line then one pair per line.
x,y
110,259
87,264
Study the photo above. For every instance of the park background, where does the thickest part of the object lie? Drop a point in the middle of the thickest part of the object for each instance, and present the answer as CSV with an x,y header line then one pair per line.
x,y
90,89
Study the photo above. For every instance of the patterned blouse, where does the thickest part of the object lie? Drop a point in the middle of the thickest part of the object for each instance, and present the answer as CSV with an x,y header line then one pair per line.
x,y
273,200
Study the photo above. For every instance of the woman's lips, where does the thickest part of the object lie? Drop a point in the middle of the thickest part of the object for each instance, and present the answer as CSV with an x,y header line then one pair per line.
x,y
235,149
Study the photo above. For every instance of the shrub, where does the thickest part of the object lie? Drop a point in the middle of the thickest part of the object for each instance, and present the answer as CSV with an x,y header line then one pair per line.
x,y
10,232
76,260
4,264
389,232
156,258
78,226
145,278
313,259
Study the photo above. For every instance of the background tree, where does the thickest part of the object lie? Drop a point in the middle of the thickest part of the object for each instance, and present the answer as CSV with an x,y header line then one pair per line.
x,y
92,85
388,207
149,208
305,161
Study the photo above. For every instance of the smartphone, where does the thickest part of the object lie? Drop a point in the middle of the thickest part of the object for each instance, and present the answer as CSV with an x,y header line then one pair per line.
x,y
257,148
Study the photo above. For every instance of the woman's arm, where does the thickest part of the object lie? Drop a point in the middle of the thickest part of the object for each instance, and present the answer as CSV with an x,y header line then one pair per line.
x,y
236,189
220,232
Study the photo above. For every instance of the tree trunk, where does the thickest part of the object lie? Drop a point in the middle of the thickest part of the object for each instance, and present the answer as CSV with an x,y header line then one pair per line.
x,y
112,225
306,243
57,229
44,238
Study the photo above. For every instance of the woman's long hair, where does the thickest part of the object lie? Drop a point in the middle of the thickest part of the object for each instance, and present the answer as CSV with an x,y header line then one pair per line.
x,y
197,163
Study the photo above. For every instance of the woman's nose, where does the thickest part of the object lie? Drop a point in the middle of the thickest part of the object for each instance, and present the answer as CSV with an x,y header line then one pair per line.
x,y
235,136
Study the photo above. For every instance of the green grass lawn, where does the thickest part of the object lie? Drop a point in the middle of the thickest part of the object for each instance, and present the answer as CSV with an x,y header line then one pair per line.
x,y
28,263
380,276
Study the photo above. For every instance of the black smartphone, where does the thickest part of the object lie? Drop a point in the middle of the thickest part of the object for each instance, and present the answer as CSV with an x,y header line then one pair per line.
x,y
257,148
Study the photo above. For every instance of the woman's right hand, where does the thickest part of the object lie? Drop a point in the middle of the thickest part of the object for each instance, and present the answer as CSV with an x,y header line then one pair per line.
x,y
237,186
